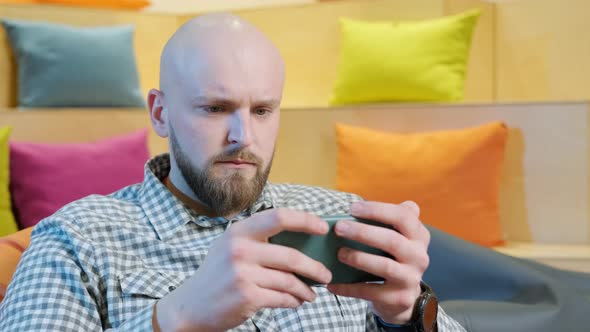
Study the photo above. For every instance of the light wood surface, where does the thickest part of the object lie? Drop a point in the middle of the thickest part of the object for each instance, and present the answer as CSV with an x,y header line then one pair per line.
x,y
568,257
545,185
79,125
187,7
543,50
480,79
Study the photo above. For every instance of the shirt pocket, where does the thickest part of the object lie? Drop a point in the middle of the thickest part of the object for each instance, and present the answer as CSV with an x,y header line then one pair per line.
x,y
148,283
137,290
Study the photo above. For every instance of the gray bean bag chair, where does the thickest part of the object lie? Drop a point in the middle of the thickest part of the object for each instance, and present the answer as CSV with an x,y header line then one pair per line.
x,y
488,291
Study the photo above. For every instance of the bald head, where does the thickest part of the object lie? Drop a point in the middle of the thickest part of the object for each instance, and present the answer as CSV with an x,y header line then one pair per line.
x,y
221,83
217,42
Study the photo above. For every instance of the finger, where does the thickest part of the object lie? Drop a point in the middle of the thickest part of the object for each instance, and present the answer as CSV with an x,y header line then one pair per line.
x,y
283,258
382,238
377,293
400,217
399,274
412,206
271,222
284,282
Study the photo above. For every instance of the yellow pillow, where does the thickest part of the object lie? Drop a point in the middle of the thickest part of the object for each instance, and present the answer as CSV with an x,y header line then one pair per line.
x,y
406,61
453,175
7,222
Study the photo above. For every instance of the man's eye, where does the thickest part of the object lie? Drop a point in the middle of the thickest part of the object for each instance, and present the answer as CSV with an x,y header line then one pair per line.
x,y
213,109
262,111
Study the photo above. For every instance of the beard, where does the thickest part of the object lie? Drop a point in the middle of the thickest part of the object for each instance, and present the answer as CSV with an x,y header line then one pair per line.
x,y
227,193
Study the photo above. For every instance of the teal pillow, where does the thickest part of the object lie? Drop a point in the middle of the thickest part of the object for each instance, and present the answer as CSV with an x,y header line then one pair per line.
x,y
65,66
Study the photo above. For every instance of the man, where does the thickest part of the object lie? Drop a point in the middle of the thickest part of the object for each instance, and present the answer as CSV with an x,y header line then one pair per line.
x,y
187,249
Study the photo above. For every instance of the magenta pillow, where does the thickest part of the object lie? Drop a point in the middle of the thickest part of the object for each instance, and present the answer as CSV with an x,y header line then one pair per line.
x,y
45,177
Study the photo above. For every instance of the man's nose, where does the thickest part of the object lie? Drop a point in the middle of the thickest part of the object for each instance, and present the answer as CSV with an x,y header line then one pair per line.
x,y
240,131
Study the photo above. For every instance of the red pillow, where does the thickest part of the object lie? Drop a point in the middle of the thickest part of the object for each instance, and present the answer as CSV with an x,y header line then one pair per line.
x,y
45,177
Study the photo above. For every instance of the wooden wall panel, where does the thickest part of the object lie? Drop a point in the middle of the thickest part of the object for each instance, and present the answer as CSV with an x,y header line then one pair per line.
x,y
543,50
480,80
79,125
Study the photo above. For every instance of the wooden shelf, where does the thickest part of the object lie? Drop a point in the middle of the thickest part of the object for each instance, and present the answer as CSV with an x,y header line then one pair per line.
x,y
568,256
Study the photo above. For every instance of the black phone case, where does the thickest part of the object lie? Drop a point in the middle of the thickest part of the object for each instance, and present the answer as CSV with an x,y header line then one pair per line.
x,y
324,248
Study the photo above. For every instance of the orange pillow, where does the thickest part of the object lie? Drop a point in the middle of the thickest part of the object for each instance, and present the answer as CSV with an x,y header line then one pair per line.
x,y
11,248
19,1
453,175
114,4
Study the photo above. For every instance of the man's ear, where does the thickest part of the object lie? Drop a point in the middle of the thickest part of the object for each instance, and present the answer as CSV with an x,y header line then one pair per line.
x,y
158,113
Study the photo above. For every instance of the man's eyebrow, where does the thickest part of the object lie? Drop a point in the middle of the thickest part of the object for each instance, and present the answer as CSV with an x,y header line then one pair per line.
x,y
273,103
222,100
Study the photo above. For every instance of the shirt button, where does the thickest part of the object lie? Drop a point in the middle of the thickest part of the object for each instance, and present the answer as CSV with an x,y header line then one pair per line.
x,y
171,288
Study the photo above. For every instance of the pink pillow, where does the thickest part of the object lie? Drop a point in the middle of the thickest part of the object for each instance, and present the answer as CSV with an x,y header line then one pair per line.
x,y
45,177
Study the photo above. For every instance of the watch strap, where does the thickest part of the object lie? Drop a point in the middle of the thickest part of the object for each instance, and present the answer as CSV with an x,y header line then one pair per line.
x,y
389,327
415,325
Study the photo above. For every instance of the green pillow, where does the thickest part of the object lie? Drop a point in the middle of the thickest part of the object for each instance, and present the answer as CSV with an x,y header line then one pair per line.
x,y
406,61
65,66
7,222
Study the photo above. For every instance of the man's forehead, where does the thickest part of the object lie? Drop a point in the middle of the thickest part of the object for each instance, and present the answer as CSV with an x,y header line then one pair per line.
x,y
226,75
222,93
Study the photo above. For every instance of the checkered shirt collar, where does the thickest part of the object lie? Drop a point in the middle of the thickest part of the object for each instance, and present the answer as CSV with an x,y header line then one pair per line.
x,y
166,213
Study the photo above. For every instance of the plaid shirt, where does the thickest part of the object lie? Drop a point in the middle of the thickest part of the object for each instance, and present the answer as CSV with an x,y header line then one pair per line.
x,y
101,262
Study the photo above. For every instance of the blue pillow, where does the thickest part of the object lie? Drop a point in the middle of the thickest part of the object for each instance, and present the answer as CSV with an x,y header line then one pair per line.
x,y
65,66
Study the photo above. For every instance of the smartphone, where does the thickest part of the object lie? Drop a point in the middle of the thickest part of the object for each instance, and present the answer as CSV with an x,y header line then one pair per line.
x,y
324,248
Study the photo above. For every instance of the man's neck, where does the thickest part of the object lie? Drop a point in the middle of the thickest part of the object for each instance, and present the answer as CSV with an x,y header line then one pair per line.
x,y
192,203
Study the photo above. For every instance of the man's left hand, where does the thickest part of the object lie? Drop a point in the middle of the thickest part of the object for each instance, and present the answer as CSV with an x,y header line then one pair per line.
x,y
394,299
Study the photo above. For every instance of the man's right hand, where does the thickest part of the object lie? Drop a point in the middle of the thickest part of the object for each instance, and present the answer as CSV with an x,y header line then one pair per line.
x,y
243,273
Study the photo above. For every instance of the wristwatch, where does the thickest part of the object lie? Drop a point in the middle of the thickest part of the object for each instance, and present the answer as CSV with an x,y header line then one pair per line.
x,y
423,316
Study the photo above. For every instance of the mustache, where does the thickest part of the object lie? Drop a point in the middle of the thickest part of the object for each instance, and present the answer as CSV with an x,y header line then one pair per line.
x,y
238,153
